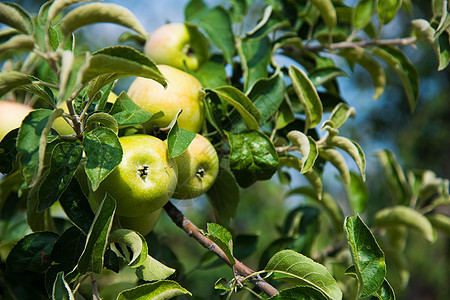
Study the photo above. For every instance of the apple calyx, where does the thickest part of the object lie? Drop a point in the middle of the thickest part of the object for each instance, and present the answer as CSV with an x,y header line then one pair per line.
x,y
200,173
143,172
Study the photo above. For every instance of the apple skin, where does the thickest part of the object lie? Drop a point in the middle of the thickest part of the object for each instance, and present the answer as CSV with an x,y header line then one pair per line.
x,y
198,167
145,179
183,91
11,116
177,44
144,225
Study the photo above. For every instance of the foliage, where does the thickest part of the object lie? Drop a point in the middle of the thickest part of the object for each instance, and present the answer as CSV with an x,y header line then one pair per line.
x,y
273,109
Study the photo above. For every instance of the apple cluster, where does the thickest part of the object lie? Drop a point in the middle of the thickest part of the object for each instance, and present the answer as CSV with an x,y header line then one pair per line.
x,y
147,178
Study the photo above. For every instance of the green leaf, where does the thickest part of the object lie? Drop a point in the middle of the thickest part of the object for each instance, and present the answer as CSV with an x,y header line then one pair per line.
x,y
337,160
216,23
253,157
387,10
104,119
8,152
385,292
323,75
178,140
161,290
245,107
121,61
353,149
255,56
308,148
66,157
97,13
11,80
298,269
97,239
300,293
18,42
406,216
55,7
152,269
267,94
127,113
367,256
61,290
224,197
363,13
405,70
223,239
269,22
285,113
15,16
103,151
32,142
395,176
440,222
32,253
372,66
308,97
77,207
44,93
341,113
357,193
68,248
134,241
327,12
443,50
211,74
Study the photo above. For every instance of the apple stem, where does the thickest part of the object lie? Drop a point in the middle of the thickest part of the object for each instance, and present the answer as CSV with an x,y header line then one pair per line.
x,y
239,268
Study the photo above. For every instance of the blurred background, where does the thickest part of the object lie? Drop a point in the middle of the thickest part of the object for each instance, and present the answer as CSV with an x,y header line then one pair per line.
x,y
420,140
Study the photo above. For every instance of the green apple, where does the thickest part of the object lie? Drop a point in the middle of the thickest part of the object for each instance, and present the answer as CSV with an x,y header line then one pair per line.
x,y
183,91
144,225
145,179
198,167
177,44
11,116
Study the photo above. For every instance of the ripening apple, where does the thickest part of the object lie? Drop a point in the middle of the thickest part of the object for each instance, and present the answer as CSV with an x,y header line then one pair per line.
x,y
177,44
144,180
198,167
183,91
11,116
144,224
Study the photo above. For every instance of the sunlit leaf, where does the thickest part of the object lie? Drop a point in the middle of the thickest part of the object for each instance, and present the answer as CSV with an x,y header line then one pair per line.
x,y
163,289
151,269
387,10
92,13
11,80
406,216
178,140
104,119
341,113
364,11
327,12
367,255
15,16
223,239
61,290
300,293
121,61
18,42
357,193
440,222
337,160
405,70
353,149
308,96
308,148
301,270
321,76
133,240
